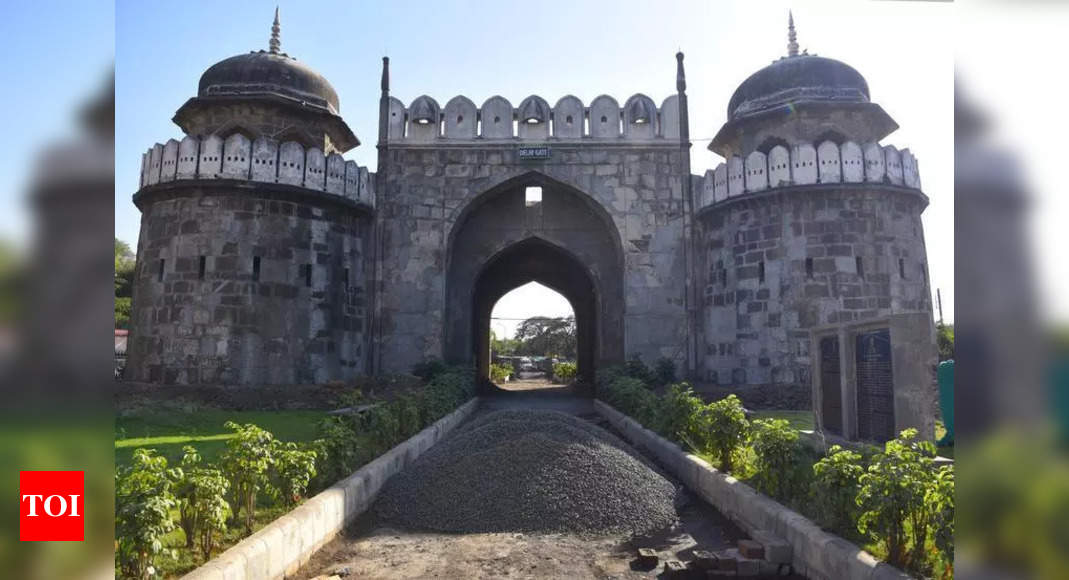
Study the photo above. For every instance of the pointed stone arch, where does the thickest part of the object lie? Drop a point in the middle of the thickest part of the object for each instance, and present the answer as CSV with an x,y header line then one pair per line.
x,y
568,226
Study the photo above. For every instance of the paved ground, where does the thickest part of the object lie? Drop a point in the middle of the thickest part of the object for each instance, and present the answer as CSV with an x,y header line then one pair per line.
x,y
374,550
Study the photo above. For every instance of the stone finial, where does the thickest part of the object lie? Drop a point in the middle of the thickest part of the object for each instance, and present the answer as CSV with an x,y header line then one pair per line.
x,y
274,46
681,77
792,37
385,75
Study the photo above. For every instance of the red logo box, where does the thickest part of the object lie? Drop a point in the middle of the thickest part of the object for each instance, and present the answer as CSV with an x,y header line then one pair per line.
x,y
51,506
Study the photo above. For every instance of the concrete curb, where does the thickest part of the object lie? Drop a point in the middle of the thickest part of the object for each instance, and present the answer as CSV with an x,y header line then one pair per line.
x,y
815,553
286,544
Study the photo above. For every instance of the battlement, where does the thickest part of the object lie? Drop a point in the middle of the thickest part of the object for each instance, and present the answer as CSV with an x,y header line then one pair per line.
x,y
827,162
639,119
262,160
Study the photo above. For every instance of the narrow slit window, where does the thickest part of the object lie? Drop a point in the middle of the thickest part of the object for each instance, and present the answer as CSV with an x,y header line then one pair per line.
x,y
902,268
533,196
924,273
346,278
761,272
256,268
308,275
159,275
809,267
202,268
859,266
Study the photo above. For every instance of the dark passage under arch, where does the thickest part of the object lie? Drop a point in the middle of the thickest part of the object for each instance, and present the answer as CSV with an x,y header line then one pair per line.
x,y
566,242
535,260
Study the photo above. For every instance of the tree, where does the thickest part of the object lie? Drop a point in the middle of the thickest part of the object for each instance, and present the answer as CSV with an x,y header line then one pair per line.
x,y
503,346
124,280
944,339
544,336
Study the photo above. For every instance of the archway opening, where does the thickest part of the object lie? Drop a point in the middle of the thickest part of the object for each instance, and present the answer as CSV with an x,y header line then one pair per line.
x,y
536,260
533,228
533,340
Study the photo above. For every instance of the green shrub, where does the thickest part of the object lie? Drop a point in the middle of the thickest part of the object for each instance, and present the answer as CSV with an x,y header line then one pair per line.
x,y
636,369
892,497
409,410
632,397
564,372
681,416
202,506
338,452
382,425
447,391
664,371
293,470
726,428
143,502
429,369
940,499
774,443
246,461
498,373
834,487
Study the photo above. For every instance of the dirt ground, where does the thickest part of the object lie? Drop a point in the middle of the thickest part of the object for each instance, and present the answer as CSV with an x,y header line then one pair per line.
x,y
376,551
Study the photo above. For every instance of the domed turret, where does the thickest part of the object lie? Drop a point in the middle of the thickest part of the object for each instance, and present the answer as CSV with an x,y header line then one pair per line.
x,y
796,79
800,98
287,92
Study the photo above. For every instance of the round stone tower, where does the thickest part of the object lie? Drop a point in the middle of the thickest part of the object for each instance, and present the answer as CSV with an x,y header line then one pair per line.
x,y
810,228
253,256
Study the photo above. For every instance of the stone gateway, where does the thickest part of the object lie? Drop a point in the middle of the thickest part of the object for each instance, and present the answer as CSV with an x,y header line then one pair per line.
x,y
266,257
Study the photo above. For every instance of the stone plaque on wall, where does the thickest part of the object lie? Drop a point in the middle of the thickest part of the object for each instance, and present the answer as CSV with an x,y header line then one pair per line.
x,y
875,386
831,398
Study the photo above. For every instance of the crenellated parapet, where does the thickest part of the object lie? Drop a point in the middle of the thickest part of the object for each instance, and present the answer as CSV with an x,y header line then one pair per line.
x,y
807,164
262,160
638,119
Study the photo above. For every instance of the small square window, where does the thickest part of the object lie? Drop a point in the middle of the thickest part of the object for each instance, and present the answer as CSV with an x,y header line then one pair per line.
x,y
533,196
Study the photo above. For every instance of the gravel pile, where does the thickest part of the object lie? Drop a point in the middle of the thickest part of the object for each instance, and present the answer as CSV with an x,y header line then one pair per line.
x,y
529,471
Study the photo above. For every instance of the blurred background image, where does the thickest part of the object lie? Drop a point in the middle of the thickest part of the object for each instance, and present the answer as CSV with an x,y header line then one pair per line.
x,y
57,289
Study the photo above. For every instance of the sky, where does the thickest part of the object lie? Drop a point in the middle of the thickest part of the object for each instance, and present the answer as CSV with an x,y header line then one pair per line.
x,y
551,48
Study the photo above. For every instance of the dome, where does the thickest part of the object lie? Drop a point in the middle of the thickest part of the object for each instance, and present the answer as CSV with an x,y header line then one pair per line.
x,y
268,73
794,79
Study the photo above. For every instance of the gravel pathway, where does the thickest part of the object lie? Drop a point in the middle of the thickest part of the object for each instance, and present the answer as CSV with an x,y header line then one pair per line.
x,y
530,471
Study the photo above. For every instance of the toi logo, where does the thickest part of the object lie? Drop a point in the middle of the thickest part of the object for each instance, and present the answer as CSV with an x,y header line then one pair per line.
x,y
51,506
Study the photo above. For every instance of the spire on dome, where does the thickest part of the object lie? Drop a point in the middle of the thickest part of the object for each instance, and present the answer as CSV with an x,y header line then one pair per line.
x,y
792,38
274,46
681,78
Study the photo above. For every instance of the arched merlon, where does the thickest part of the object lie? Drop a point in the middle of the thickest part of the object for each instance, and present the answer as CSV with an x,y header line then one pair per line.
x,y
261,161
825,163
638,120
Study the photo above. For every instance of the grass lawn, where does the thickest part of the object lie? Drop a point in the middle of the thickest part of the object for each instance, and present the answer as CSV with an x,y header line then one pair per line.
x,y
800,420
168,432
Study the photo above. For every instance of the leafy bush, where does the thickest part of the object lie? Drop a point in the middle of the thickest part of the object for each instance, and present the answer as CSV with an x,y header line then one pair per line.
x,y
681,416
382,425
664,371
338,453
636,369
498,373
202,506
835,485
892,497
564,372
726,425
143,500
774,442
447,391
408,408
631,396
294,469
940,499
429,369
246,461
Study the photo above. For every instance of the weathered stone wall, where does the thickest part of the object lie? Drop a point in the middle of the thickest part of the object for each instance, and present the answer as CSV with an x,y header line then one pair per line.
x,y
428,188
781,262
220,322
